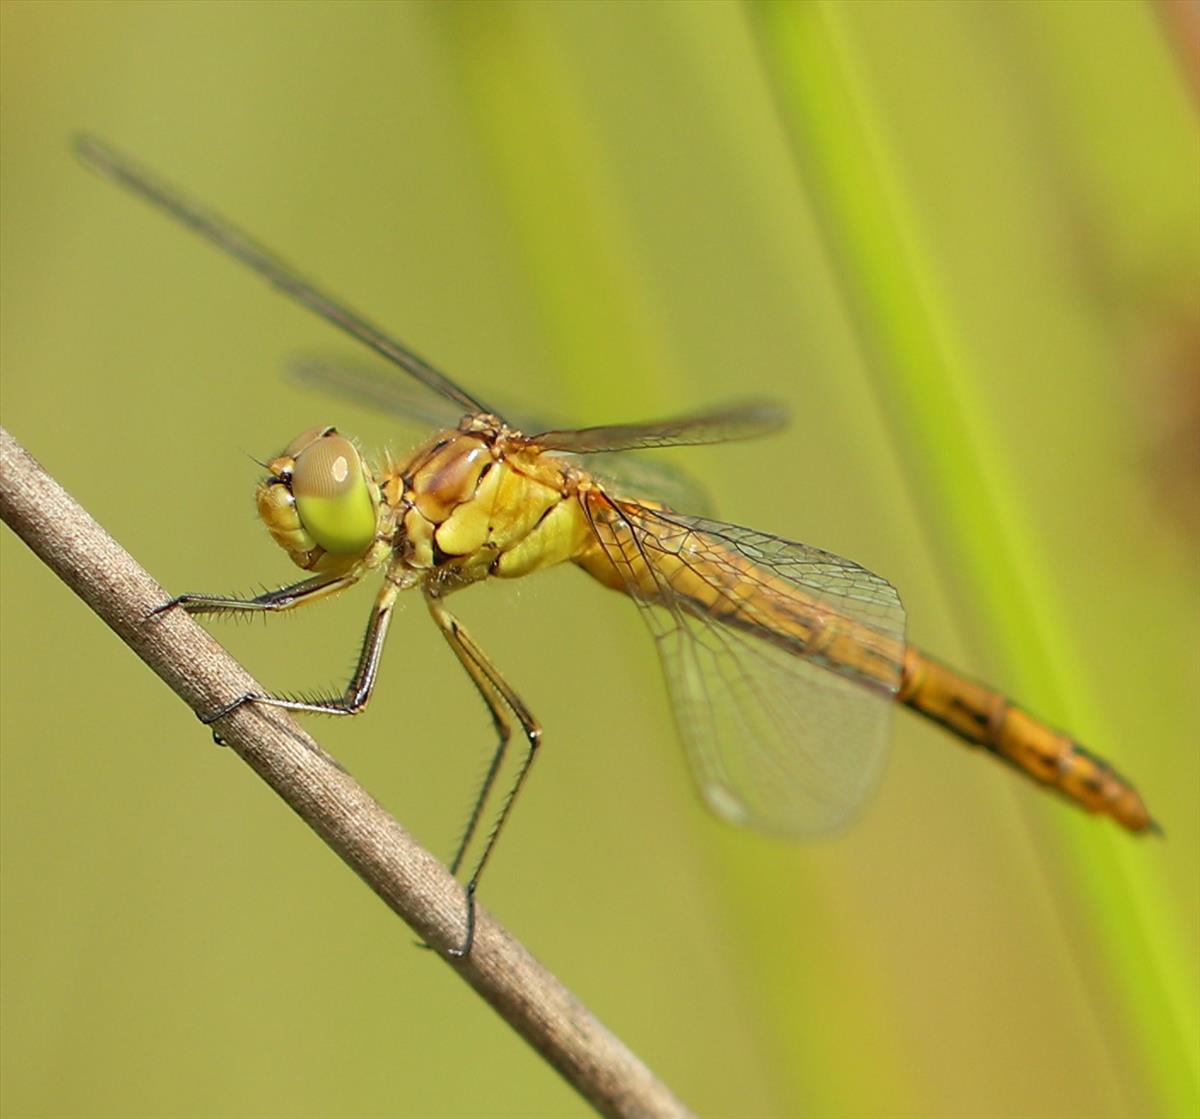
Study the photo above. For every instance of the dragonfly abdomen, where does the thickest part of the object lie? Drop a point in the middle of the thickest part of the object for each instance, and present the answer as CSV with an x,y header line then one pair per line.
x,y
667,562
984,717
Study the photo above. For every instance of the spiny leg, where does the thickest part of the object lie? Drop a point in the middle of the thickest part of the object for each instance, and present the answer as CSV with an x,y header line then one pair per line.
x,y
498,696
284,598
357,692
495,705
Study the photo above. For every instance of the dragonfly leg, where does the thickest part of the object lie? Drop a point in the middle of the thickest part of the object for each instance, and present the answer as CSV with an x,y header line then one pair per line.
x,y
284,598
501,700
362,683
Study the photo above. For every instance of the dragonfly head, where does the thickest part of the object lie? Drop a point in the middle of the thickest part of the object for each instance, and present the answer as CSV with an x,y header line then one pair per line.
x,y
320,502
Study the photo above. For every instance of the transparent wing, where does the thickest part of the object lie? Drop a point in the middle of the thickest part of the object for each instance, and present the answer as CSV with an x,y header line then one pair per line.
x,y
227,237
635,476
378,389
781,661
744,420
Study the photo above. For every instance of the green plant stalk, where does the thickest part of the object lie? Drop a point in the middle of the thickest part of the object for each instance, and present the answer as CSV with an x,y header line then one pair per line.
x,y
922,376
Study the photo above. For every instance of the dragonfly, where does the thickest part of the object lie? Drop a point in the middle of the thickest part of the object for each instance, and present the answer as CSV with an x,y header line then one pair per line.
x,y
783,661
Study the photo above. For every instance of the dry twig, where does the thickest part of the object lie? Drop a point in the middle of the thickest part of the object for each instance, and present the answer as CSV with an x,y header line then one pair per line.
x,y
409,879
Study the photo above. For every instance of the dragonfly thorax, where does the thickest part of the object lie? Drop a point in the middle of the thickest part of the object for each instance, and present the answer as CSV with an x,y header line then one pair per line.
x,y
480,501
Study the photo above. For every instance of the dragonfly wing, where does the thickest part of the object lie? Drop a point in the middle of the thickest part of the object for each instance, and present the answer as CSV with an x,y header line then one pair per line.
x,y
378,389
774,744
224,235
637,477
744,420
778,741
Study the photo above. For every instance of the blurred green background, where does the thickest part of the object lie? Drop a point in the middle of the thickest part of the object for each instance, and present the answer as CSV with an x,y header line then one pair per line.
x,y
961,241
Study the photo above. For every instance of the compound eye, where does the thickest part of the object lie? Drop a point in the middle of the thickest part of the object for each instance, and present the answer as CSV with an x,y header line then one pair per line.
x,y
331,491
305,439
